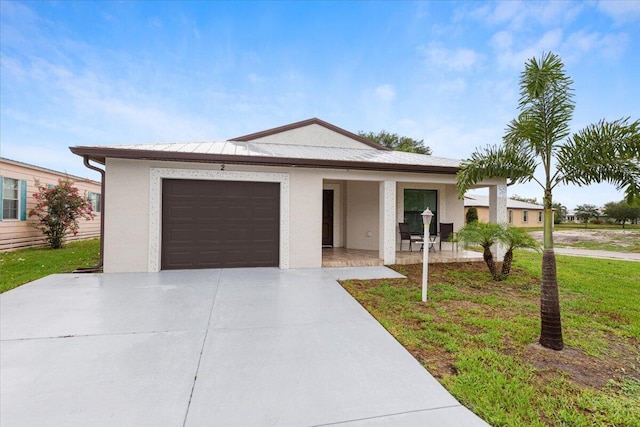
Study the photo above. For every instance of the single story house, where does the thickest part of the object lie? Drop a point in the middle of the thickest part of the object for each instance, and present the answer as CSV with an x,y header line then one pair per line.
x,y
271,198
519,214
17,186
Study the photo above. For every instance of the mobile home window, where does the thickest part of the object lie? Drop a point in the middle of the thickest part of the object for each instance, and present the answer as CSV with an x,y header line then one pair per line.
x,y
510,217
10,198
95,200
539,216
525,216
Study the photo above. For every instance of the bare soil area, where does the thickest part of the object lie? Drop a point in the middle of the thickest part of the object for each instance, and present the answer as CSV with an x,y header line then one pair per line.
x,y
620,238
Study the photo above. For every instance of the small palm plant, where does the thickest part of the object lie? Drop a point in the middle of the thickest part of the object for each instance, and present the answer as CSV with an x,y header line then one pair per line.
x,y
515,238
485,235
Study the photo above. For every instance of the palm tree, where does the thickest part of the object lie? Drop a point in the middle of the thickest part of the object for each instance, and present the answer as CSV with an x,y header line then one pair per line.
x,y
484,234
540,136
515,238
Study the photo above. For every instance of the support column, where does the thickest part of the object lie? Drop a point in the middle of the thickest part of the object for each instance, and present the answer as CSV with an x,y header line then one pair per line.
x,y
387,222
498,213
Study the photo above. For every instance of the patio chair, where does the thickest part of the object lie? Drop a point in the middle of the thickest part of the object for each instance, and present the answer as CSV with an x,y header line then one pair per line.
x,y
406,235
446,234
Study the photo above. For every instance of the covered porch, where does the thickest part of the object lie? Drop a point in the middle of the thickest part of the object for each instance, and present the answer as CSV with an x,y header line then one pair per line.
x,y
361,217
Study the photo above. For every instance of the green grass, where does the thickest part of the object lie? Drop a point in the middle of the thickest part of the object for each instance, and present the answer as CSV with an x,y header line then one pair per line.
x,y
569,226
476,336
628,244
25,265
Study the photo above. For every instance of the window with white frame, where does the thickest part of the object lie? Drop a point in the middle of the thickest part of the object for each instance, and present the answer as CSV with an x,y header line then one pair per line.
x,y
525,216
540,216
13,193
510,216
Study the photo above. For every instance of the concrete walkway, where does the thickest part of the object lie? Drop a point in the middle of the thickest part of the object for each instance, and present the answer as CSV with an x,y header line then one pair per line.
x,y
624,256
237,347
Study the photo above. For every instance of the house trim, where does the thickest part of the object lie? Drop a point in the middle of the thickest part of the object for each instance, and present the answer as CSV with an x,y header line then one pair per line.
x,y
155,204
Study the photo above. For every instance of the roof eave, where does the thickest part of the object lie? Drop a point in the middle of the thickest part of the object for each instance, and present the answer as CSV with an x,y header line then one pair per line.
x,y
100,154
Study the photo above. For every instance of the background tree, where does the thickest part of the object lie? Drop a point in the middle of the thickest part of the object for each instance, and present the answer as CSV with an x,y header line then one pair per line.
x,y
472,215
586,212
541,136
559,213
622,212
58,210
397,142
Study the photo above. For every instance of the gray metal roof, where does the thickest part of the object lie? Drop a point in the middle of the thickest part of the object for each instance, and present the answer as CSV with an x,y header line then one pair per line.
x,y
483,201
261,150
257,149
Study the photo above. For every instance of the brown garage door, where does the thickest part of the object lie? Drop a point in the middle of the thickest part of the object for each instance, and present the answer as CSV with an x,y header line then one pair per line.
x,y
220,224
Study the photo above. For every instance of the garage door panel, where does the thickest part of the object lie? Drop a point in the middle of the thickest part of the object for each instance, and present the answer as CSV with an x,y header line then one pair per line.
x,y
218,224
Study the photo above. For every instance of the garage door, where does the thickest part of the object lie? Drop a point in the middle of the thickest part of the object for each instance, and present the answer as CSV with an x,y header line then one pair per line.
x,y
220,224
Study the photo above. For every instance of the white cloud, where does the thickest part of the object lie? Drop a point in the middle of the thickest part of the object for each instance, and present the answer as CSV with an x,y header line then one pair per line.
x,y
255,78
519,15
450,59
621,11
155,22
609,46
510,58
385,92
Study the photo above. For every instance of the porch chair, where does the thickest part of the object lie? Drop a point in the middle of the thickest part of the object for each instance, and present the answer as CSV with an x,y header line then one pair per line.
x,y
406,235
446,234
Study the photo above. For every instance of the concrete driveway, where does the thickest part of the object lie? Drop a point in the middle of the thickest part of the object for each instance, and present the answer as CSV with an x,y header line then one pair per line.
x,y
233,347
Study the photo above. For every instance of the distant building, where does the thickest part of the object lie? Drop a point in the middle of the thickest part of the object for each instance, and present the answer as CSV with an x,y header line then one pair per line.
x,y
519,214
17,185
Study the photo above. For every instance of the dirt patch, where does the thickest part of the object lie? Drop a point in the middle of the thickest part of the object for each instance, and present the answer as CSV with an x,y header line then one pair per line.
x,y
622,238
582,369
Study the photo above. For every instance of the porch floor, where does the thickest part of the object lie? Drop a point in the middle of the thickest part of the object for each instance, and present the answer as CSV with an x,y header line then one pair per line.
x,y
342,257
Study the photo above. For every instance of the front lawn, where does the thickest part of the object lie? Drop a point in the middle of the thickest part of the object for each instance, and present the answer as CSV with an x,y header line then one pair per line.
x,y
478,337
25,265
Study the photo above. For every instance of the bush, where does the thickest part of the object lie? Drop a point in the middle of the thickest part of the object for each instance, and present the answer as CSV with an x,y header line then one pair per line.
x,y
472,215
58,210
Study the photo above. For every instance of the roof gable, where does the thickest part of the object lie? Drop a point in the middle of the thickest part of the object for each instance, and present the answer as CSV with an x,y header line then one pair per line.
x,y
312,132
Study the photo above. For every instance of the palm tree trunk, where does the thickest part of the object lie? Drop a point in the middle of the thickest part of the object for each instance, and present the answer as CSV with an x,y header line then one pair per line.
x,y
551,331
488,259
506,264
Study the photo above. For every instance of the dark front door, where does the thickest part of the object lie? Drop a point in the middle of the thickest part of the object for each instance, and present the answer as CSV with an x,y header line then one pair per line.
x,y
220,224
327,217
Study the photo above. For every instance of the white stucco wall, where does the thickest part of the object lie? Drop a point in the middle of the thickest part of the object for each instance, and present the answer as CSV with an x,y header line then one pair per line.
x,y
362,215
305,212
126,225
127,221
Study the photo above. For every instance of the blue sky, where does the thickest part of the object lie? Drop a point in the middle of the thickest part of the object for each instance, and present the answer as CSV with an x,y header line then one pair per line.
x,y
90,73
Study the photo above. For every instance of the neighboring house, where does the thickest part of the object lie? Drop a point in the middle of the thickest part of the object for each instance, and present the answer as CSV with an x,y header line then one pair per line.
x,y
17,186
519,214
572,217
272,198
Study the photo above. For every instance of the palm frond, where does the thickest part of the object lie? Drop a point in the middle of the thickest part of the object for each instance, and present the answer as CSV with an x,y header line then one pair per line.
x,y
495,162
603,152
546,105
